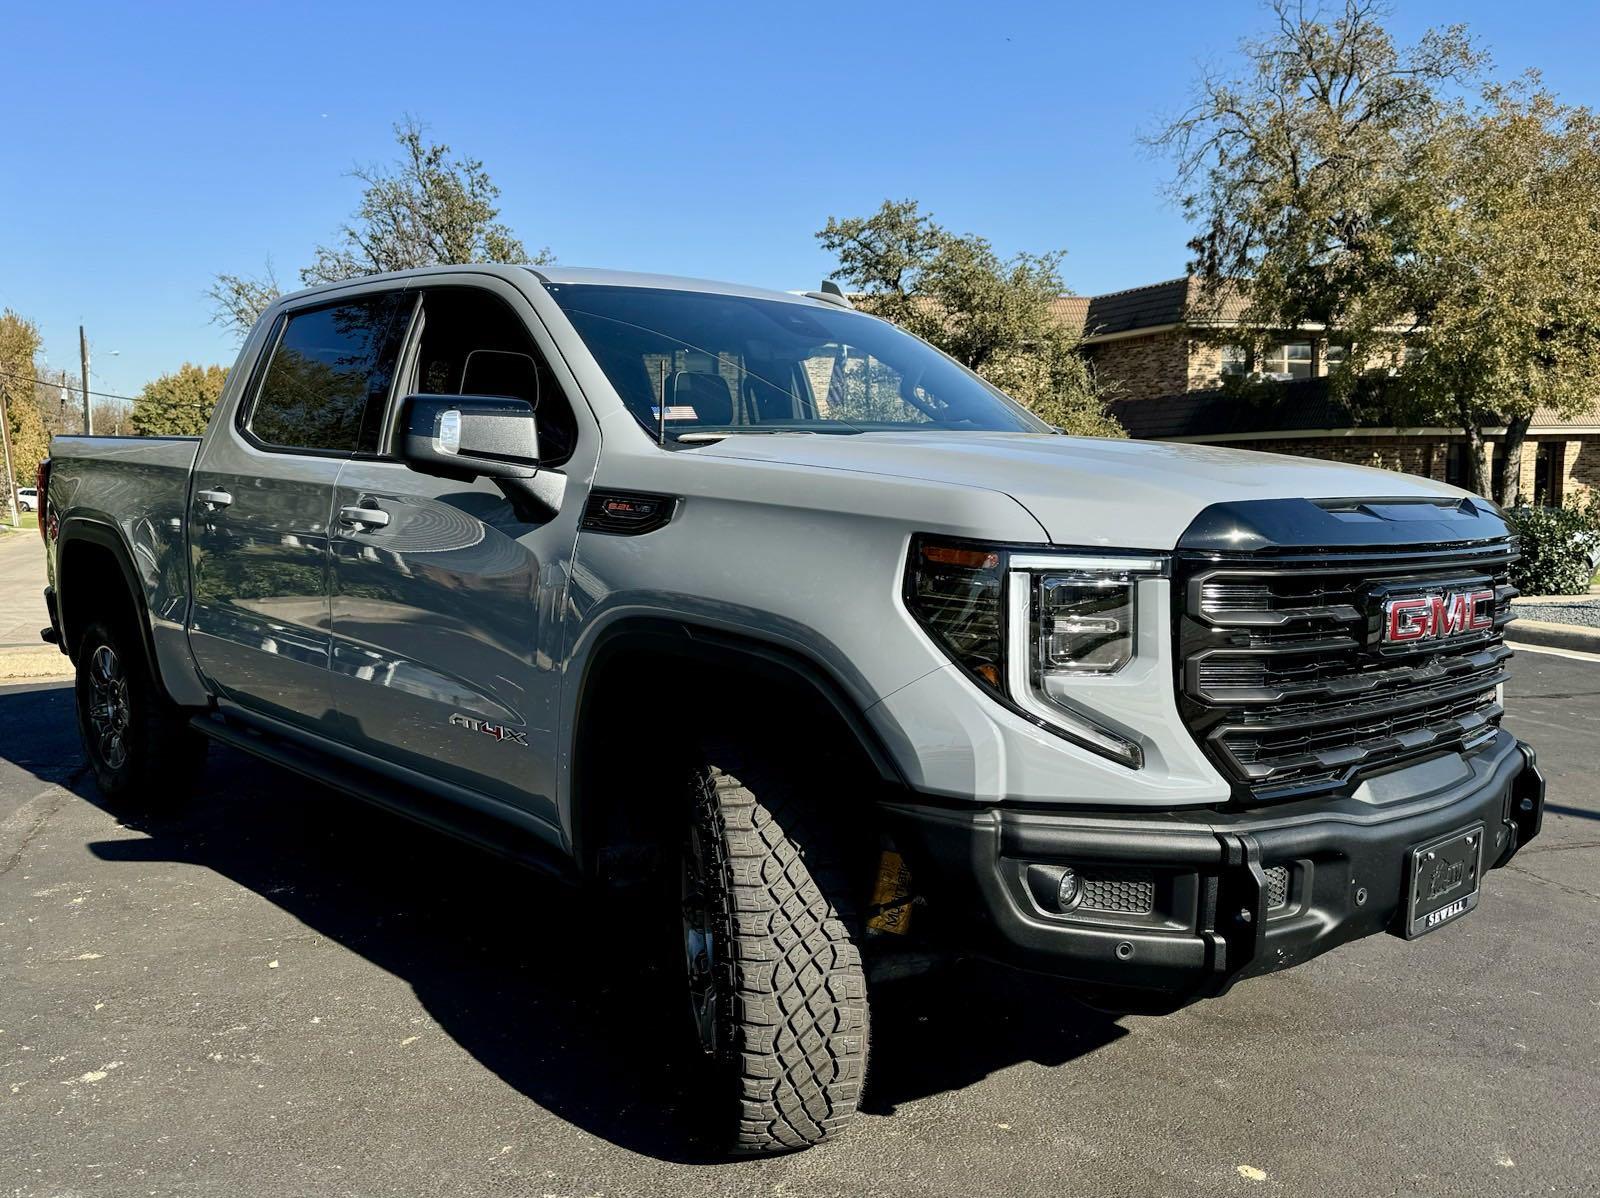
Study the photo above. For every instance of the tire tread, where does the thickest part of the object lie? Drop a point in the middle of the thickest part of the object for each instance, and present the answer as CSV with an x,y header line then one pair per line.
x,y
799,1021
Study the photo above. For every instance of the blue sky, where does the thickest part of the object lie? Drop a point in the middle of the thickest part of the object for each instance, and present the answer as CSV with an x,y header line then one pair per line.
x,y
149,146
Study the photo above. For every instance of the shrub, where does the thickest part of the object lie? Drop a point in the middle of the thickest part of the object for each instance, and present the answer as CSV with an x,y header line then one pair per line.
x,y
1556,546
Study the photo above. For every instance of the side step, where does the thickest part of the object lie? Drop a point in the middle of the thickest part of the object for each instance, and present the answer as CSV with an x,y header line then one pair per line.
x,y
485,823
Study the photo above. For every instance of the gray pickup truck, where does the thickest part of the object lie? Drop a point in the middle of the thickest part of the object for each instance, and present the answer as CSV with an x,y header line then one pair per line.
x,y
756,607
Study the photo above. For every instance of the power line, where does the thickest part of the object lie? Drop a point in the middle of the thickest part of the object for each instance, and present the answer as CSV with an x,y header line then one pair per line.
x,y
65,385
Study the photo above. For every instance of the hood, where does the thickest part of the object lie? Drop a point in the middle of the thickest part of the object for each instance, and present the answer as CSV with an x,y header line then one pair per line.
x,y
1088,491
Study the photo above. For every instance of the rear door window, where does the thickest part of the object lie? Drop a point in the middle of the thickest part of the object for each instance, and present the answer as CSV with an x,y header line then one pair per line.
x,y
332,367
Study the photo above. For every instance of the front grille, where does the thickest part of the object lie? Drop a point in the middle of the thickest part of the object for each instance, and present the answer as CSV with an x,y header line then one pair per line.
x,y
1285,681
1129,891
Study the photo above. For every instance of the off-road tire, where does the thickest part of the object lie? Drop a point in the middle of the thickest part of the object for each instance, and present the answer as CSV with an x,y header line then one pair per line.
x,y
161,756
792,1022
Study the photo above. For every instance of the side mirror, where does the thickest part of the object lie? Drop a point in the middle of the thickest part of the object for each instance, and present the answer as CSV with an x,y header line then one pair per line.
x,y
469,436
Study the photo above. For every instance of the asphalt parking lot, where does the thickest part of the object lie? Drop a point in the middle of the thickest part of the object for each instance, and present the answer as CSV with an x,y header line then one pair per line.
x,y
280,992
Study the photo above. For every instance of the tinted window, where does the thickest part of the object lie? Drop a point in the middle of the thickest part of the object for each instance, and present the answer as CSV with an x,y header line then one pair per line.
x,y
472,343
330,368
731,362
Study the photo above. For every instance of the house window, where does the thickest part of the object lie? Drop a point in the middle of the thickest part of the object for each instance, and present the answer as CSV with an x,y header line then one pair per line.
x,y
1547,463
1458,465
1235,361
1333,357
1288,360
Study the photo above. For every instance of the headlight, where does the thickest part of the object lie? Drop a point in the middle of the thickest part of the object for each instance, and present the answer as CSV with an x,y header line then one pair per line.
x,y
1035,628
1085,622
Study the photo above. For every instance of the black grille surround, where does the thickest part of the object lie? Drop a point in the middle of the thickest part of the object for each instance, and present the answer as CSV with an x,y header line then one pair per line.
x,y
1282,674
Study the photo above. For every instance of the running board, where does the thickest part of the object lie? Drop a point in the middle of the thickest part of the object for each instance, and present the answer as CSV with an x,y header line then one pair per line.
x,y
480,821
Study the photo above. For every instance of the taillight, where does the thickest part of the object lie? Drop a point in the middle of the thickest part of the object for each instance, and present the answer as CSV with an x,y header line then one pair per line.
x,y
41,506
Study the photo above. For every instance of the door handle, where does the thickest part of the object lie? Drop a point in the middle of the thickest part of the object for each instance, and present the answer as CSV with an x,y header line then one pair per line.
x,y
214,499
364,517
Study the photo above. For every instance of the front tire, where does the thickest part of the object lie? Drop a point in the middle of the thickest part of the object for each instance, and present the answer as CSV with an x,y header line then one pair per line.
x,y
777,993
139,746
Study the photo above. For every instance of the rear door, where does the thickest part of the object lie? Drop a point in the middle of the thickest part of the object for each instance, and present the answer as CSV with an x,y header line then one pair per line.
x,y
262,499
447,596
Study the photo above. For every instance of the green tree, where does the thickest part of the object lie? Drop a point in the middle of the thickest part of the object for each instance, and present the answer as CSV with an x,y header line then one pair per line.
x,y
427,208
30,442
994,315
1494,312
179,404
1298,167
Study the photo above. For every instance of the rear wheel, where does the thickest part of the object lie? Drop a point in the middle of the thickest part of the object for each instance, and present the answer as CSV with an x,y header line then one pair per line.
x,y
777,994
139,746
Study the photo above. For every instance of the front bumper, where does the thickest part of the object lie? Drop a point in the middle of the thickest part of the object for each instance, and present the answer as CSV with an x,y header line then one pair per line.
x,y
1200,899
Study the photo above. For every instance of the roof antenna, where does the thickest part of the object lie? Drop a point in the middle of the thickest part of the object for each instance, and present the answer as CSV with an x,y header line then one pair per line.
x,y
831,293
661,406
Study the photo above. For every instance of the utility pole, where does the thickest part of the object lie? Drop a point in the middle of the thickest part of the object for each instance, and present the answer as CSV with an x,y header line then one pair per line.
x,y
11,478
83,357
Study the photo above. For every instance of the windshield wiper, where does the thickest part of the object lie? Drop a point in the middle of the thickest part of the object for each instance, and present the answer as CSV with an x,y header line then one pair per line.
x,y
744,429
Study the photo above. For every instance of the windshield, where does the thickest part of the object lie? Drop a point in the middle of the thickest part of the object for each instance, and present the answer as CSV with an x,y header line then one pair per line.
x,y
728,363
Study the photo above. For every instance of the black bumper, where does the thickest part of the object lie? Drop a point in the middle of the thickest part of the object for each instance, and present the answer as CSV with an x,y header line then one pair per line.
x,y
1191,902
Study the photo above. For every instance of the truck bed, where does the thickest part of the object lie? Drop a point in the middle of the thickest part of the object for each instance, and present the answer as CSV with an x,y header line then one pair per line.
x,y
140,485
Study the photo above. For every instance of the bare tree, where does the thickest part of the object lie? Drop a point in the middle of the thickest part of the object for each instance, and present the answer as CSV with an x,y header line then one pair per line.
x,y
237,301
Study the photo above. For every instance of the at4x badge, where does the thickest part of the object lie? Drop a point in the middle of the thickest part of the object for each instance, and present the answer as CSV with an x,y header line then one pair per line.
x,y
498,731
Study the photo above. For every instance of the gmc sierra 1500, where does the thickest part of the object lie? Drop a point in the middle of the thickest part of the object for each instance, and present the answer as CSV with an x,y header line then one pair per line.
x,y
759,605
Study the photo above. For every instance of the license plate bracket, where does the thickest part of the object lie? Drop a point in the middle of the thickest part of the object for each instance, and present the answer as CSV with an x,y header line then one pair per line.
x,y
1442,878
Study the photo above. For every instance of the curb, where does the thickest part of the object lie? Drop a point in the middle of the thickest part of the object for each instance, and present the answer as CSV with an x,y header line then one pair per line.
x,y
18,664
1554,636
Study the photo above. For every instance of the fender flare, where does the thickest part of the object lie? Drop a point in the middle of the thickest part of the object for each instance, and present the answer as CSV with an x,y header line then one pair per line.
x,y
705,643
103,534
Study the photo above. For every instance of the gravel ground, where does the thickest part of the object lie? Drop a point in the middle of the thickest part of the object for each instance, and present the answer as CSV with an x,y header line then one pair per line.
x,y
1582,611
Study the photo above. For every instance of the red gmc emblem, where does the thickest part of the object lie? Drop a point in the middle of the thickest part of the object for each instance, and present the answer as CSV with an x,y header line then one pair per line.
x,y
1428,616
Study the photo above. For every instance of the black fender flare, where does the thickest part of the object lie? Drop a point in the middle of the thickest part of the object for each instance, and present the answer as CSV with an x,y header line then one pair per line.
x,y
102,533
706,644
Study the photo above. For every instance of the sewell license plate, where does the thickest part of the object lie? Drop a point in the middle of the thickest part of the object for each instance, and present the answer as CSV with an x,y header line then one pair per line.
x,y
1444,875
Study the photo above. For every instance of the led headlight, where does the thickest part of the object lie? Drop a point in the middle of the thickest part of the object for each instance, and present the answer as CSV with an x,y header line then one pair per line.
x,y
1036,629
1085,622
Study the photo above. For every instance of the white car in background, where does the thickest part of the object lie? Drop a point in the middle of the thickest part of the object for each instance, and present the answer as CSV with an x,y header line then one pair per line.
x,y
28,498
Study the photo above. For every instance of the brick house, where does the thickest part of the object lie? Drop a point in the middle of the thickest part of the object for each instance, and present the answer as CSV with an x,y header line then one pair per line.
x,y
1173,389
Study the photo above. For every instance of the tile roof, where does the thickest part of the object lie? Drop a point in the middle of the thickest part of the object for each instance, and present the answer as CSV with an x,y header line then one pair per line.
x,y
1071,311
1138,308
1153,306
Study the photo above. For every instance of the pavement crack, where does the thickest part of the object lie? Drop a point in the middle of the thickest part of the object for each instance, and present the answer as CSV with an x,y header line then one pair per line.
x,y
1561,886
59,795
1561,848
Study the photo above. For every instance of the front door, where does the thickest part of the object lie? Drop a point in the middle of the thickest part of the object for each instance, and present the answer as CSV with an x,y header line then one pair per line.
x,y
262,501
446,596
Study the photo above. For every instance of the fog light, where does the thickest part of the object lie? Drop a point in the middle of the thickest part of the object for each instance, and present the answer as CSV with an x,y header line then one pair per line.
x,y
1069,889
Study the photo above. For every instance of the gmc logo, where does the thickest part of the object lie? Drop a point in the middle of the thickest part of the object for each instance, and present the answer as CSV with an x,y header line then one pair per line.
x,y
1429,616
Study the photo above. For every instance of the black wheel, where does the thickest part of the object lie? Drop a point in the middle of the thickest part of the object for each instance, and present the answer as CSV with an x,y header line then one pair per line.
x,y
139,746
777,994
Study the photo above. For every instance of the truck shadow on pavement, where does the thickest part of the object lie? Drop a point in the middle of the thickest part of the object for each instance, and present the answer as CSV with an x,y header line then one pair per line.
x,y
564,1002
